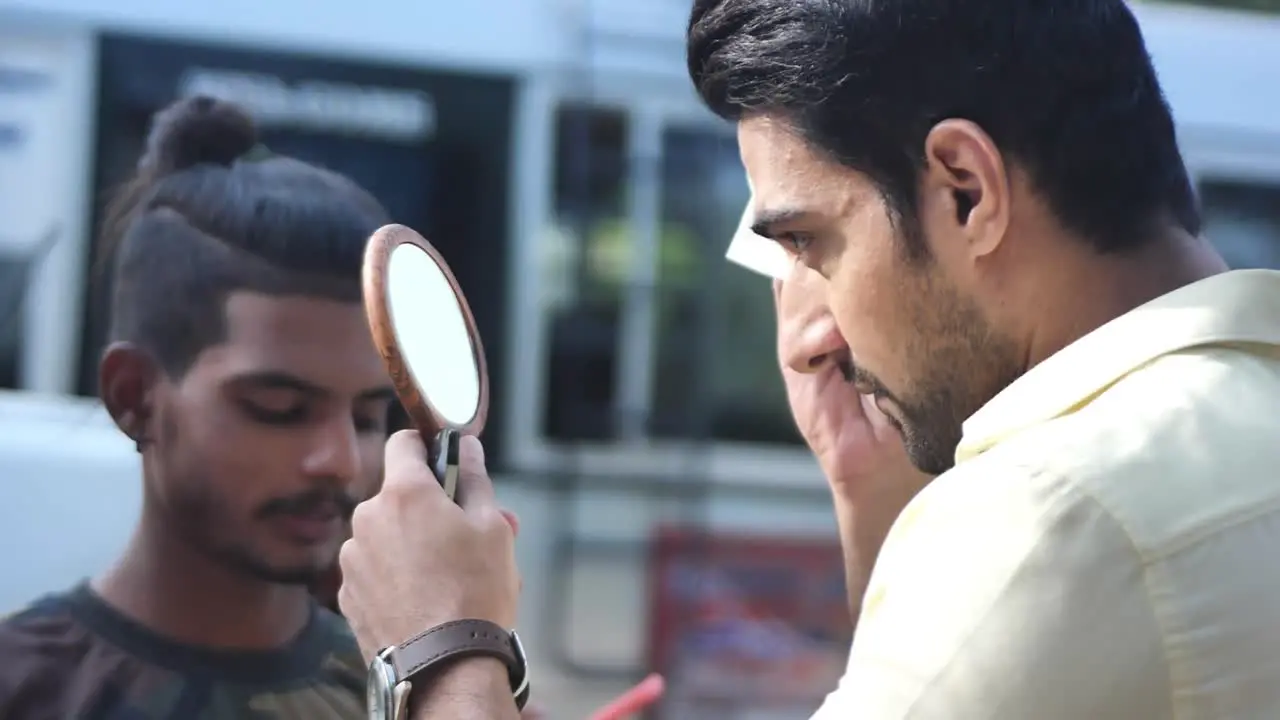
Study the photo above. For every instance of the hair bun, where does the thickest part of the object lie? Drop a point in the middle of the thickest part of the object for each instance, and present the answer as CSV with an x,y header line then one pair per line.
x,y
196,130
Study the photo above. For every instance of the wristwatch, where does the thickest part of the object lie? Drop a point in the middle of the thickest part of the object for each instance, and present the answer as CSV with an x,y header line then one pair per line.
x,y
394,669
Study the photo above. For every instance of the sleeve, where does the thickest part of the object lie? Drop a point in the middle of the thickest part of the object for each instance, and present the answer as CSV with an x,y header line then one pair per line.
x,y
1002,595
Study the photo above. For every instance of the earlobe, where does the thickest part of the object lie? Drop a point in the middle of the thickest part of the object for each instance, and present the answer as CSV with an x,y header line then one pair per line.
x,y
126,378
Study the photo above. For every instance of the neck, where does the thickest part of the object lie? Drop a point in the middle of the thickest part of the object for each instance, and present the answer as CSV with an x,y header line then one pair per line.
x,y
176,590
1086,293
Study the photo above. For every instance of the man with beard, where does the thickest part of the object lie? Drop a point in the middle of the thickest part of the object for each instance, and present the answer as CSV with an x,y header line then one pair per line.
x,y
241,365
993,196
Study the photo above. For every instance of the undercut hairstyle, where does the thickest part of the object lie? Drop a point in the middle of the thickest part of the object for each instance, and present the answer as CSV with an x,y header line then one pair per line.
x,y
1065,88
210,212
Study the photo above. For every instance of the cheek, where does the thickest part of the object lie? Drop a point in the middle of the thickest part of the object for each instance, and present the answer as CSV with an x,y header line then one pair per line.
x,y
864,298
241,462
370,480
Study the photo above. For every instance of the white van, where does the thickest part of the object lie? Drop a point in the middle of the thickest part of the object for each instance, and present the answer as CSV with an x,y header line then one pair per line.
x,y
69,493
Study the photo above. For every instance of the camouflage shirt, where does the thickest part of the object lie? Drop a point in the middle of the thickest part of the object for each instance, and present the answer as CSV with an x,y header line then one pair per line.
x,y
72,657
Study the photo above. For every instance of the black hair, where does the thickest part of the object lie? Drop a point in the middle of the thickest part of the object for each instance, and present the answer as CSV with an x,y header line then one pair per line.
x,y
1065,88
210,212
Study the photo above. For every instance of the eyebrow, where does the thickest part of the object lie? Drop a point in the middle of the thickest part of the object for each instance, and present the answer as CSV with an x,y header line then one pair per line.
x,y
276,379
767,221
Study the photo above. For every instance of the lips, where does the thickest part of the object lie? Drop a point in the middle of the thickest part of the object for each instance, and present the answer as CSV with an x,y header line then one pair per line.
x,y
311,527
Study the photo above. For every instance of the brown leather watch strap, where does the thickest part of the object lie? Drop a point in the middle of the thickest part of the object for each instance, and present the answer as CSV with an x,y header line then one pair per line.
x,y
457,639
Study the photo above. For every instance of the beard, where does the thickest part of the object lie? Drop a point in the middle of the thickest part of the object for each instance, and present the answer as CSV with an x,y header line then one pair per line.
x,y
244,561
958,369
205,521
955,363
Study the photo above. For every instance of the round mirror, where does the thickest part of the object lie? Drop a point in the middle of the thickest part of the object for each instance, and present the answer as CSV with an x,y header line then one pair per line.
x,y
425,332
432,332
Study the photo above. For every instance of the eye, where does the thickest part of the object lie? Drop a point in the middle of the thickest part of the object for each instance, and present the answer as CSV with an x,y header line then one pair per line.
x,y
269,415
369,423
795,242
371,417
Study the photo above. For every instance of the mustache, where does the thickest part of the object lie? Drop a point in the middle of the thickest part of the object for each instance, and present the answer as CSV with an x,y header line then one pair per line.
x,y
855,375
313,502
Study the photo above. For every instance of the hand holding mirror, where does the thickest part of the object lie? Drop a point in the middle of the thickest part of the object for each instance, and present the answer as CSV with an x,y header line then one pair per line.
x,y
426,334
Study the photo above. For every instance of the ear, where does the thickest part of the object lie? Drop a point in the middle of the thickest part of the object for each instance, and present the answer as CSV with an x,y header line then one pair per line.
x,y
966,177
127,380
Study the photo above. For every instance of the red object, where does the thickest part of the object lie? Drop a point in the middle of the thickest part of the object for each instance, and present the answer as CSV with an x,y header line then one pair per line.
x,y
746,622
635,700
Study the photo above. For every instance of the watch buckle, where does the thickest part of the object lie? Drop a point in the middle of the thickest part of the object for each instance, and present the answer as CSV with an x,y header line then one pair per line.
x,y
400,700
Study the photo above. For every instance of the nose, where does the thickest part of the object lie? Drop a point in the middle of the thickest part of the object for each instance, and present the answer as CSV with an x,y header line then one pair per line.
x,y
814,341
335,452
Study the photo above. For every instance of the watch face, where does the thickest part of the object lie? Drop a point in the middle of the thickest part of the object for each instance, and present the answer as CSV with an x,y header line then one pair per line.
x,y
378,693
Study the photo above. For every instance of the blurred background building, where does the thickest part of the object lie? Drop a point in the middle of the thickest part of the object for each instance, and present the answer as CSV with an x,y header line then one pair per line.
x,y
555,152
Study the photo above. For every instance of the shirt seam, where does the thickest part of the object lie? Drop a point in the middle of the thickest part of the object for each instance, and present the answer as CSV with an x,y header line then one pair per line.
x,y
1180,544
1191,538
1175,665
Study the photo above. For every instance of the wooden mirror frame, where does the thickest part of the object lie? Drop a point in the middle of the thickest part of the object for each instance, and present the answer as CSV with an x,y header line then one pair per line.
x,y
377,257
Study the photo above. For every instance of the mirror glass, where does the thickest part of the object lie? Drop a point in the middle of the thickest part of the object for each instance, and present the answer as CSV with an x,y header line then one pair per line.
x,y
431,332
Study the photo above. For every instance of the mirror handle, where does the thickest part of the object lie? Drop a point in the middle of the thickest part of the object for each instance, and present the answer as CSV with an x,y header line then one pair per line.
x,y
443,455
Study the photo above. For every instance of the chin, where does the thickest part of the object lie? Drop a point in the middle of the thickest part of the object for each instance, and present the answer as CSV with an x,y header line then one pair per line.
x,y
927,457
299,575
277,571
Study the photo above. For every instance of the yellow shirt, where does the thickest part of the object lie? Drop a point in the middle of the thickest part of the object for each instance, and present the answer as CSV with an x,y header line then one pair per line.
x,y
1107,546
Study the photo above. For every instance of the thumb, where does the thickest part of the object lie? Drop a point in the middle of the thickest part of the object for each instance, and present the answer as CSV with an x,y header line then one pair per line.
x,y
475,489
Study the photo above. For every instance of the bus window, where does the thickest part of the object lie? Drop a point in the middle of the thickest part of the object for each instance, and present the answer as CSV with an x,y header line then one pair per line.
x,y
1242,218
13,290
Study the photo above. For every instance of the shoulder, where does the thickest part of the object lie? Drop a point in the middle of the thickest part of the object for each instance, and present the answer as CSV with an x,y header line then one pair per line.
x,y
42,645
1182,448
46,627
999,582
992,520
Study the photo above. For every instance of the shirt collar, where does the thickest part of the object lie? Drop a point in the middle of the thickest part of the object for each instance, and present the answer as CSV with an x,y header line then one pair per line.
x,y
1241,306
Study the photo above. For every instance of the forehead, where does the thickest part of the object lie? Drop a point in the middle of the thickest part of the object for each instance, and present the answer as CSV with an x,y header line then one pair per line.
x,y
324,341
787,174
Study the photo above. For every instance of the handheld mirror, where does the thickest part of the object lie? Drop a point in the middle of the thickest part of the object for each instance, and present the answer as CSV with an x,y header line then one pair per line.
x,y
427,337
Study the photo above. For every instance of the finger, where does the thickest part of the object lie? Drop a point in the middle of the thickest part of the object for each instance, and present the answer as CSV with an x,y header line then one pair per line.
x,y
475,490
360,518
648,692
512,519
880,424
346,552
405,463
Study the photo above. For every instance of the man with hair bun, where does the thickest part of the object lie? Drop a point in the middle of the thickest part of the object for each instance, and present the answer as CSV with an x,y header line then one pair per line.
x,y
240,364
